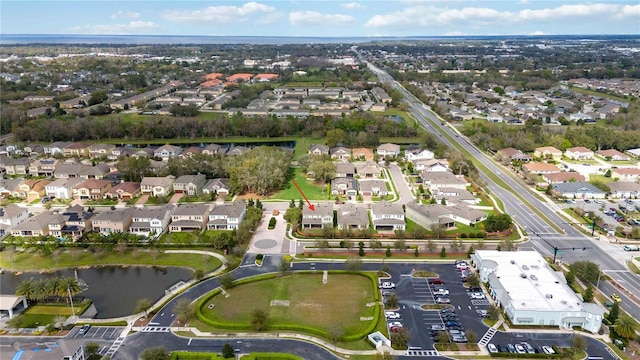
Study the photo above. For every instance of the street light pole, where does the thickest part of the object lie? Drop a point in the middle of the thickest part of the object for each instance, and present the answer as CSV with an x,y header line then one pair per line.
x,y
73,313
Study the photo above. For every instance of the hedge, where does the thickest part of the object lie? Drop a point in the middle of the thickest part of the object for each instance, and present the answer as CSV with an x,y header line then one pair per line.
x,y
293,327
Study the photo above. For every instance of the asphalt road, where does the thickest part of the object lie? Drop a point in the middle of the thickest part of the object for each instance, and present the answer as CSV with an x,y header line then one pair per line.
x,y
542,236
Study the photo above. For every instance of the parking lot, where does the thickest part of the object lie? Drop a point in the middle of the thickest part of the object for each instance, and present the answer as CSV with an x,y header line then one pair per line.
x,y
606,209
96,333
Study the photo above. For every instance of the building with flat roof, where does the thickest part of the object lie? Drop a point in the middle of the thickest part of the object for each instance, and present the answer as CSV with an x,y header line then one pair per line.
x,y
532,293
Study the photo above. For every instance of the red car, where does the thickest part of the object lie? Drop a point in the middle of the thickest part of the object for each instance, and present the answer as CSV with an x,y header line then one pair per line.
x,y
436,281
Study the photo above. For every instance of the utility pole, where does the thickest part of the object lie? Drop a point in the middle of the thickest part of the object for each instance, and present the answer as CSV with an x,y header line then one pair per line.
x,y
556,249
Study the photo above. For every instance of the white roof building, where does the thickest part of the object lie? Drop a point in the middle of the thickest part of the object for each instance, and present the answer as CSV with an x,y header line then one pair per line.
x,y
532,293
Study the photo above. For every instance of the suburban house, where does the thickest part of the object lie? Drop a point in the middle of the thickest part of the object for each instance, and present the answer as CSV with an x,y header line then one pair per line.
x,y
546,152
100,150
373,187
238,150
432,165
626,174
167,151
157,186
214,149
55,148
388,150
578,190
189,217
71,223
91,189
219,186
340,153
11,215
512,154
540,168
613,155
191,185
362,154
368,169
414,153
321,216
387,216
429,216
318,149
436,180
151,221
126,190
62,188
345,169
10,186
579,153
344,186
351,216
624,190
227,216
113,221
68,170
381,95
562,177
19,166
98,171
76,149
453,196
37,225
43,167
33,189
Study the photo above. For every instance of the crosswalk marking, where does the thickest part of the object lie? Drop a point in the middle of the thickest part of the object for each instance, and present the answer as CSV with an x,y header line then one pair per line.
x,y
422,353
480,302
156,329
487,336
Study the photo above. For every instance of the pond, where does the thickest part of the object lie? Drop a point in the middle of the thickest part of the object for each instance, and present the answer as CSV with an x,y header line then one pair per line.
x,y
114,290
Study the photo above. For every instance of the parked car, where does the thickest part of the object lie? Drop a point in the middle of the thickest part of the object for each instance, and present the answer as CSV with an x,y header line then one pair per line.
x,y
438,328
528,348
396,329
448,310
520,349
456,333
84,329
474,289
443,300
387,285
548,350
452,323
597,201
395,323
492,348
435,281
477,296
441,292
511,348
459,339
391,315
482,313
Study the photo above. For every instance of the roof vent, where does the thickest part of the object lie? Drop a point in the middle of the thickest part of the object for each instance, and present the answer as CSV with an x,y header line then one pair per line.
x,y
564,302
533,277
524,304
525,267
513,261
523,275
549,296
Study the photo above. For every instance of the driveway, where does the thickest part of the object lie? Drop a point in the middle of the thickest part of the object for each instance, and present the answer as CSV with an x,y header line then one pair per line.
x,y
401,185
266,241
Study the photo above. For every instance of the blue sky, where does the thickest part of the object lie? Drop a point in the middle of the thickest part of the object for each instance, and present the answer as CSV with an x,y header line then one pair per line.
x,y
320,17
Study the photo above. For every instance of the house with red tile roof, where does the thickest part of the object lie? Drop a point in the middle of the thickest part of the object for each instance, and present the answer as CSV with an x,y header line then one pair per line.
x,y
238,78
213,76
613,155
265,77
562,177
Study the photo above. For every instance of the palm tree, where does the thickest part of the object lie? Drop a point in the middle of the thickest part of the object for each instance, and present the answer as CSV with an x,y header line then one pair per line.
x,y
39,290
53,287
26,288
69,287
625,326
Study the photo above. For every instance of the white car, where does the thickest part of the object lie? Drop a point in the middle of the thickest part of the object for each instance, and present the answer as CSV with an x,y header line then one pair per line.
x,y
477,296
391,315
462,265
520,349
387,285
441,291
492,348
395,323
548,350
443,300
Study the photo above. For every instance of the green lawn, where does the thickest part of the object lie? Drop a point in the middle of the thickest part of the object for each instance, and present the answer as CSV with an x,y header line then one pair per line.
x,y
35,320
311,190
580,162
342,300
601,178
302,145
179,238
75,258
597,93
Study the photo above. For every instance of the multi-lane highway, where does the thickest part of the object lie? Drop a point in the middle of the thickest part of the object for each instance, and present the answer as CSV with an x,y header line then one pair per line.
x,y
543,237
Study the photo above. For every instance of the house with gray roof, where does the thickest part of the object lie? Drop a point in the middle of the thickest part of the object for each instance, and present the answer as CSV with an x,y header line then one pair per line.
x,y
429,216
388,150
151,221
165,152
189,217
373,187
387,216
113,221
435,180
345,169
11,215
351,216
368,169
344,186
340,153
191,185
318,149
227,216
71,223
34,226
321,216
578,190
624,189
157,186
219,185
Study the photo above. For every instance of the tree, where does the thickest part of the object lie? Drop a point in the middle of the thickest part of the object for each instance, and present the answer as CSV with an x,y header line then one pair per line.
x,y
158,353
70,285
97,97
26,288
226,280
335,331
227,351
353,264
437,229
507,245
625,327
400,338
497,222
614,312
473,279
375,244
142,304
579,343
588,294
91,350
388,252
15,322
321,244
386,355
134,168
400,245
323,170
392,301
285,264
430,246
416,252
586,271
493,312
334,137
443,337
259,319
472,337
184,309
443,252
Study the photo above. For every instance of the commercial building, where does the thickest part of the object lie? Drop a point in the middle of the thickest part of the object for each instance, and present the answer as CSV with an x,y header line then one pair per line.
x,y
532,293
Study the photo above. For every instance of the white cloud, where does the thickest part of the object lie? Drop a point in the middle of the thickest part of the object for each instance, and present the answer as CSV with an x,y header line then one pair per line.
x,y
133,27
317,18
538,33
353,6
454,33
223,14
428,15
125,14
269,18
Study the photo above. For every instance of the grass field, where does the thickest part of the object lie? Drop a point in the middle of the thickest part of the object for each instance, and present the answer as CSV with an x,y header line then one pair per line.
x,y
601,178
342,300
310,189
75,258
